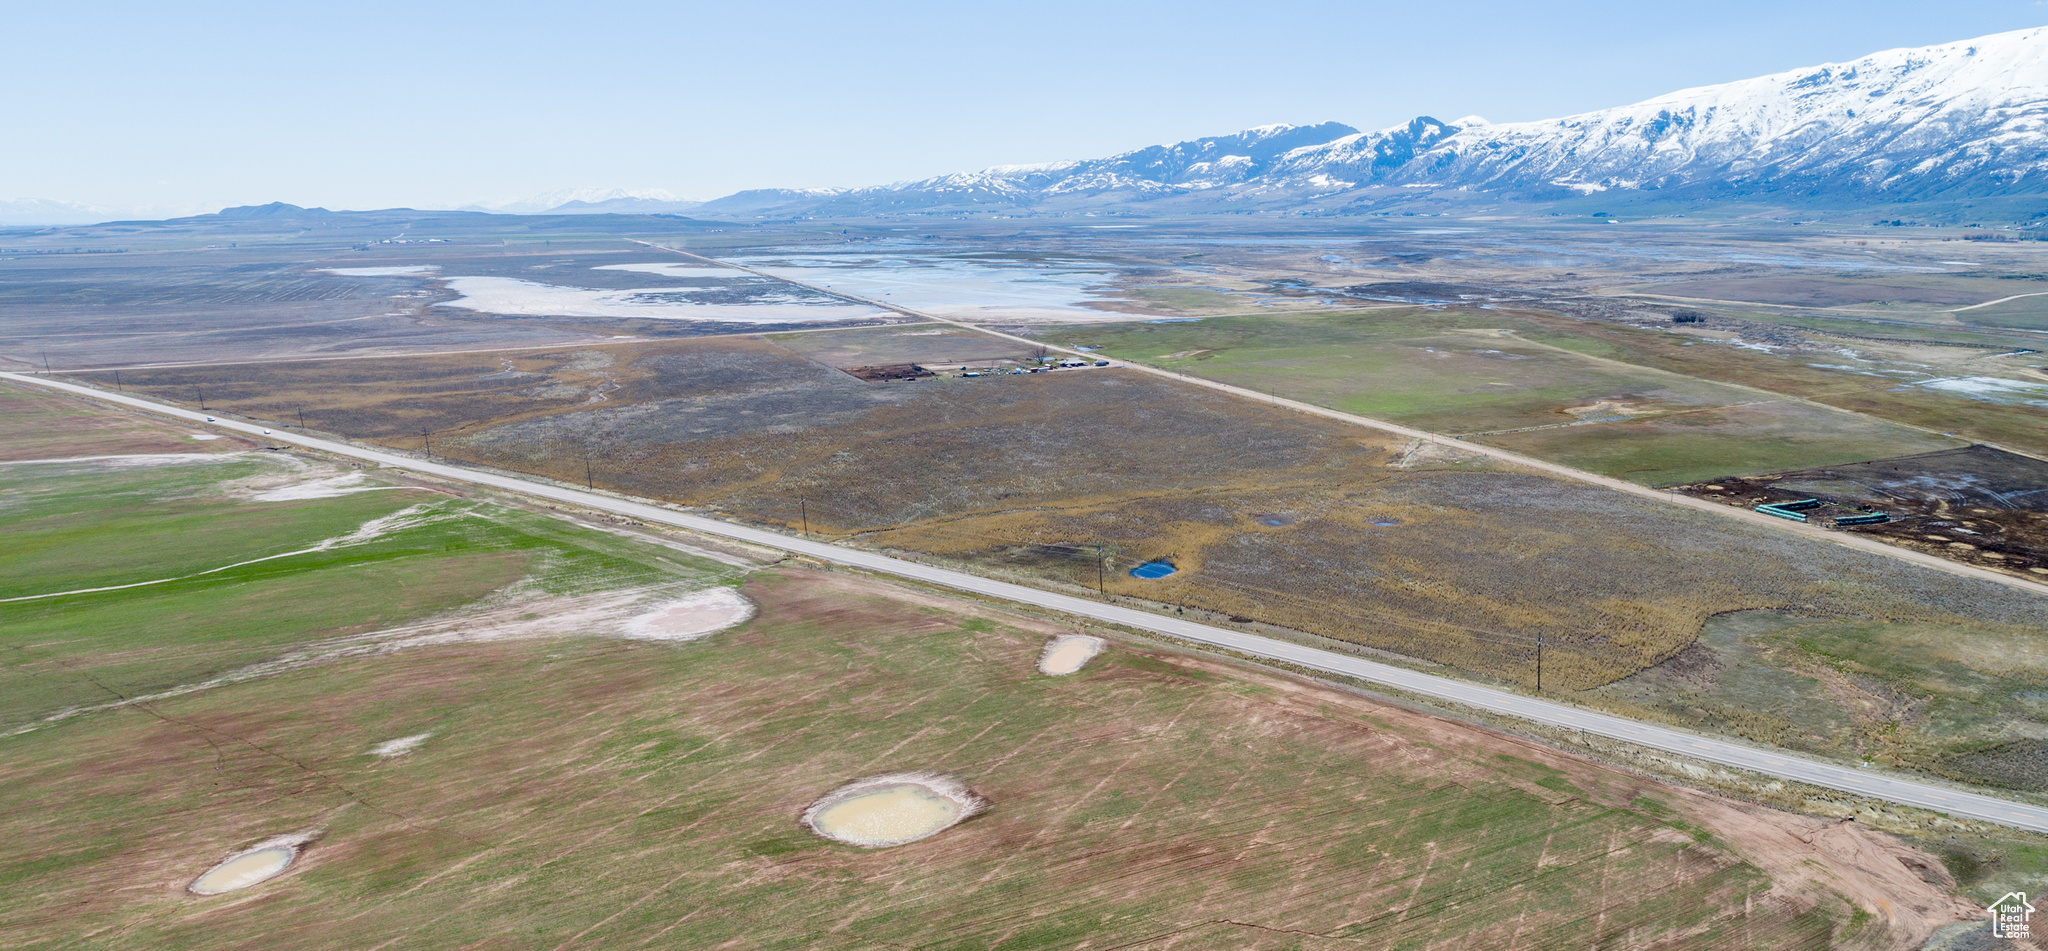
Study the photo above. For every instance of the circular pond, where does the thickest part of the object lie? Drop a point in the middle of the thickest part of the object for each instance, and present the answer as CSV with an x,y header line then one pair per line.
x,y
244,870
883,811
1153,570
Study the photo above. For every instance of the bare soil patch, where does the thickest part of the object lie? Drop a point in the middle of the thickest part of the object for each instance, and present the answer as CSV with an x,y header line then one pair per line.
x,y
1068,654
693,616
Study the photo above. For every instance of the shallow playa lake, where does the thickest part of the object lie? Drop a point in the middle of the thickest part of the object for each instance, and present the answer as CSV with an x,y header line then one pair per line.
x,y
959,287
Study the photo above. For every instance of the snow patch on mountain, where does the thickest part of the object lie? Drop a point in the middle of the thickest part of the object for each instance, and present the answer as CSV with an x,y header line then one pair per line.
x,y
1958,119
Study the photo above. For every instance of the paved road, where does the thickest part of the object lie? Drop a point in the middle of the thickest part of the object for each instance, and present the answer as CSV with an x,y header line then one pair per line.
x,y
1951,800
1739,513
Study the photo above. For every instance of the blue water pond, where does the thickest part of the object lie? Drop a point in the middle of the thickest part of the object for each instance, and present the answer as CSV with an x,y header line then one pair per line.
x,y
1153,569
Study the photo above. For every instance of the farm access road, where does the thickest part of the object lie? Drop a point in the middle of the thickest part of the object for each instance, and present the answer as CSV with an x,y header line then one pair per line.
x,y
1846,539
1925,795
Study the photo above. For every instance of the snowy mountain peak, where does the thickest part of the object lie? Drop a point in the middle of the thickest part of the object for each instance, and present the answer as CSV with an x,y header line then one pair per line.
x,y
1959,121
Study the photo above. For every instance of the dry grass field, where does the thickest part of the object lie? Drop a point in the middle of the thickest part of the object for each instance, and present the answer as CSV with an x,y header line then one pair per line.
x,y
43,425
1070,479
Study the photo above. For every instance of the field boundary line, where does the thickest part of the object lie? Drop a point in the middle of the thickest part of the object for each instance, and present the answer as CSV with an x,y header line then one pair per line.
x,y
1946,799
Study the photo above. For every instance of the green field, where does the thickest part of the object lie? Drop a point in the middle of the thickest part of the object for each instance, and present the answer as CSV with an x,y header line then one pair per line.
x,y
1767,436
172,541
2023,313
1502,379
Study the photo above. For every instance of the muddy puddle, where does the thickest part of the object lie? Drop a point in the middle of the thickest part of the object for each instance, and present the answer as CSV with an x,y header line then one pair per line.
x,y
251,866
884,811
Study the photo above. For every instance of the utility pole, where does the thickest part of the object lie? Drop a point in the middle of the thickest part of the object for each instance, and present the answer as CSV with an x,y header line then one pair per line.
x,y
202,397
1539,663
1101,586
46,363
589,482
302,416
803,507
429,443
117,379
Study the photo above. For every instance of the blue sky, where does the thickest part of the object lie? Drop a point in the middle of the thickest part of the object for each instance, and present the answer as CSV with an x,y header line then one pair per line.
x,y
373,104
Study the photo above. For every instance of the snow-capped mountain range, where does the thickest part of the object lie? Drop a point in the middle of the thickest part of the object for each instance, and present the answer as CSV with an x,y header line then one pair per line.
x,y
1956,121
1944,126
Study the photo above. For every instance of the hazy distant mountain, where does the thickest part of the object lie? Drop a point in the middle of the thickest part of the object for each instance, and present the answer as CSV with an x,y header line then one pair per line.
x,y
575,201
43,212
1952,122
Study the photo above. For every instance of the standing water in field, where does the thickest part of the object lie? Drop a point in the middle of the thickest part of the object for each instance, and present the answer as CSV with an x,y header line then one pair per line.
x,y
1153,570
255,864
897,809
1068,653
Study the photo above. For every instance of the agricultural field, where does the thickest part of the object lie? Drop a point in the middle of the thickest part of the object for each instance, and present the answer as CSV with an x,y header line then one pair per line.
x,y
43,425
1530,385
2029,312
1962,386
505,756
1069,480
127,575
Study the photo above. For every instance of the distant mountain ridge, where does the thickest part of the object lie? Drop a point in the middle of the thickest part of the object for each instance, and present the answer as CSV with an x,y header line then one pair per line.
x,y
584,201
1956,121
1948,128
